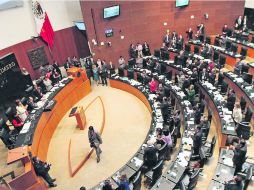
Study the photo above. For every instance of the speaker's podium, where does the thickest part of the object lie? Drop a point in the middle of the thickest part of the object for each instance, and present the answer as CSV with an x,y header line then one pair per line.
x,y
79,114
28,179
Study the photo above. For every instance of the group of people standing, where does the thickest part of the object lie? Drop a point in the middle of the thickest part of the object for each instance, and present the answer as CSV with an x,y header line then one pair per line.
x,y
139,50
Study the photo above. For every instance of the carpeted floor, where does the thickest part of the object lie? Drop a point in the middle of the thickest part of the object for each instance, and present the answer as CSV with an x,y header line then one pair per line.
x,y
127,122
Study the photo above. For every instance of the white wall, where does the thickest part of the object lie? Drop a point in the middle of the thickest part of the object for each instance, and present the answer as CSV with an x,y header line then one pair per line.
x,y
249,4
17,24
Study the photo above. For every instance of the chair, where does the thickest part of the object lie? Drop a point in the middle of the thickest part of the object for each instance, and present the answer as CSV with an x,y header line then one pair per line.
x,y
136,183
248,115
209,148
243,130
222,61
248,178
243,104
245,68
244,51
163,68
167,91
120,72
234,47
216,56
155,173
220,79
130,73
224,88
208,39
139,78
190,182
217,41
228,44
196,49
187,47
23,100
169,75
162,151
6,135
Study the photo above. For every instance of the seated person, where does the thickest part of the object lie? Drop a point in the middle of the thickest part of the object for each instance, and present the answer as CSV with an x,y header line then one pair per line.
x,y
153,86
107,185
21,110
234,184
41,169
17,122
150,156
48,83
157,68
123,183
56,76
31,104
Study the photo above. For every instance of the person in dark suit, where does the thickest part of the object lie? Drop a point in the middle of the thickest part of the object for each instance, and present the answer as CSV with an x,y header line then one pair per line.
x,y
132,51
234,184
197,115
68,64
41,169
166,39
31,104
225,30
56,67
95,141
146,49
212,76
111,68
165,109
189,33
203,75
197,140
174,38
180,42
89,68
150,156
103,73
157,68
200,32
239,155
231,100
238,23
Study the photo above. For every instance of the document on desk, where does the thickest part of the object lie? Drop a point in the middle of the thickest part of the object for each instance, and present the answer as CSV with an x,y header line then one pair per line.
x,y
25,128
228,161
229,128
137,162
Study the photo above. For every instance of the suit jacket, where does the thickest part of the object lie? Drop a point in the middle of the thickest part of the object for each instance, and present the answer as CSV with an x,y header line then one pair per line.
x,y
150,156
166,39
239,154
157,68
197,139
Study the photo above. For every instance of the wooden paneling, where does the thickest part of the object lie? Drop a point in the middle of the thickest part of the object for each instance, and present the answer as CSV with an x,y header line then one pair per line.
x,y
141,21
65,44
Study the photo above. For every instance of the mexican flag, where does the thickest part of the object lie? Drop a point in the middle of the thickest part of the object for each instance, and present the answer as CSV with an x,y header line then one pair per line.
x,y
43,25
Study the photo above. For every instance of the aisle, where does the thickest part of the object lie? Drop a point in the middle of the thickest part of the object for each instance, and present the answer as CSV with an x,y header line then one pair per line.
x,y
127,123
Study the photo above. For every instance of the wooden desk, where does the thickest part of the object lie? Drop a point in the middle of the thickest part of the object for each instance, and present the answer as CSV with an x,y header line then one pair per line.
x,y
222,138
240,93
17,154
132,90
65,99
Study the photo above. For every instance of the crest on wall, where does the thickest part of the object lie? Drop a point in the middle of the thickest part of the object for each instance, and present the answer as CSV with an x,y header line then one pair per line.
x,y
37,10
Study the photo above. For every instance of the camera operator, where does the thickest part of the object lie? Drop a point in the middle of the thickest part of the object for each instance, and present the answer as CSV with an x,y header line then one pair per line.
x,y
42,168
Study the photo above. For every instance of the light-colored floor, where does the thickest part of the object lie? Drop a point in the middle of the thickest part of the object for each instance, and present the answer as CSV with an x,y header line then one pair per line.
x,y
127,124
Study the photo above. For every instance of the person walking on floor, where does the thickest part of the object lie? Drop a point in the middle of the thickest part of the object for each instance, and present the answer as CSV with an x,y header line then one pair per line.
x,y
95,141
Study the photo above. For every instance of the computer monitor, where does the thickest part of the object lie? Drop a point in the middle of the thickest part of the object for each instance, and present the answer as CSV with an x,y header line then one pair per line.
x,y
247,78
157,53
228,44
234,47
164,55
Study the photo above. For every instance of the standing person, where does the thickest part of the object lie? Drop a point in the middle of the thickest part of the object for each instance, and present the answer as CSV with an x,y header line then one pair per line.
x,y
166,39
111,68
132,51
239,155
41,169
191,95
89,69
150,156
146,49
21,110
197,140
103,73
237,113
95,141
153,86
17,122
96,75
189,33
56,67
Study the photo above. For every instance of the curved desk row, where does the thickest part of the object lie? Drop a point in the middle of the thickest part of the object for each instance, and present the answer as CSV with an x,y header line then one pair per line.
x,y
131,168
176,170
241,89
42,130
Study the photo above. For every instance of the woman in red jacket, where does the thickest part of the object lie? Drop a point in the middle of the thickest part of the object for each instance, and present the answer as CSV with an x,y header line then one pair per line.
x,y
17,122
153,86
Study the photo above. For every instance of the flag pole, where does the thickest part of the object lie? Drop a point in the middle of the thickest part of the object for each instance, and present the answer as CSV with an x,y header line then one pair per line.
x,y
50,52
